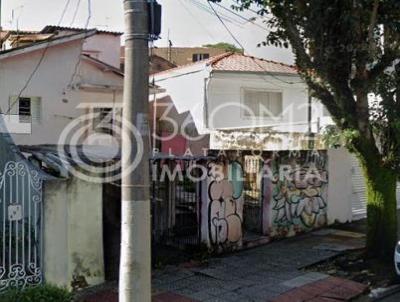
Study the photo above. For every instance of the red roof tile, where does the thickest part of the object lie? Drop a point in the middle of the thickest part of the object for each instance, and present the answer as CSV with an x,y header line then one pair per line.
x,y
240,63
243,63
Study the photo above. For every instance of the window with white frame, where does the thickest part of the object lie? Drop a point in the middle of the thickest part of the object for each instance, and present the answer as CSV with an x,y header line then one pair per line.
x,y
27,108
262,103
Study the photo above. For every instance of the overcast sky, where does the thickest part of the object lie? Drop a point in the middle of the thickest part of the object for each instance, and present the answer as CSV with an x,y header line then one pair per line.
x,y
188,22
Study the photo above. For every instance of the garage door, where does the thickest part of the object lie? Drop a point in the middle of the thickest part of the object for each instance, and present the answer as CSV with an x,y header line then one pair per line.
x,y
359,192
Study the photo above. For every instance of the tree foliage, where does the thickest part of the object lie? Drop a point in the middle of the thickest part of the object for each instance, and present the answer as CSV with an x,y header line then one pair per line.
x,y
228,47
346,51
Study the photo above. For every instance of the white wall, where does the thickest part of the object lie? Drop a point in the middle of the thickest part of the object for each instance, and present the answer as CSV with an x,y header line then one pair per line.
x,y
59,104
108,46
186,88
227,88
73,232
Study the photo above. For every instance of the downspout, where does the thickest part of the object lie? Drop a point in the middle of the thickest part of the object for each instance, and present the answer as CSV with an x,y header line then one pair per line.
x,y
206,81
310,134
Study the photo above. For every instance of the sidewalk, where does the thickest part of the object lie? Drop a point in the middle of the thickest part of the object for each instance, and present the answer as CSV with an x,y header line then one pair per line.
x,y
267,273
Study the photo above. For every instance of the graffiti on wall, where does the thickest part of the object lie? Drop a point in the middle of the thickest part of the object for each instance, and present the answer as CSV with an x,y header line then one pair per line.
x,y
299,197
225,203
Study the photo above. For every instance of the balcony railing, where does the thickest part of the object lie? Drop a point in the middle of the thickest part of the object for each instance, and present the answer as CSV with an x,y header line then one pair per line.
x,y
16,124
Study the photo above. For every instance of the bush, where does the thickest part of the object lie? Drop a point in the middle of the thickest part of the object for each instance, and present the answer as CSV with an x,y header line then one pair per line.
x,y
44,293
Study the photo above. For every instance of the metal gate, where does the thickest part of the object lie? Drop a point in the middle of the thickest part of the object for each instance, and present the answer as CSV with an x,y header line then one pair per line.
x,y
20,226
176,203
252,211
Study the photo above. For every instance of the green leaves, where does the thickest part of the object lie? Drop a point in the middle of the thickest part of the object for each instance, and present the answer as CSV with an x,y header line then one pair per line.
x,y
44,293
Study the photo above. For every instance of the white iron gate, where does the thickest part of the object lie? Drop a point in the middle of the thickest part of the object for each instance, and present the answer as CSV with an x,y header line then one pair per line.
x,y
20,226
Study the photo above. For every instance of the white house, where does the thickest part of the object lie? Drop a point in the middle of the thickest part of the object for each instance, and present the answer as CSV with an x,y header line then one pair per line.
x,y
237,102
54,76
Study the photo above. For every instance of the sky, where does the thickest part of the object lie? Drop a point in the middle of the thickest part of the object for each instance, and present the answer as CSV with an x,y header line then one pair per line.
x,y
185,22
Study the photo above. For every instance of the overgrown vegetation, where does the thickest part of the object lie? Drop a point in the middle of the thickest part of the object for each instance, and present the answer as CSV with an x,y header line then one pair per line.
x,y
44,293
228,47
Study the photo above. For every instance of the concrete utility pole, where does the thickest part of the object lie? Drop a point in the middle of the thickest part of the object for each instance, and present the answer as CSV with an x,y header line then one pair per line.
x,y
135,265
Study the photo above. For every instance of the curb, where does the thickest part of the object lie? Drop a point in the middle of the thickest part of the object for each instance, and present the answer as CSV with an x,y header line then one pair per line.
x,y
380,293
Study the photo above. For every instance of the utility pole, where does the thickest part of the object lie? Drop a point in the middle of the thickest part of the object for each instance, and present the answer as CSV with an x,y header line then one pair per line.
x,y
135,265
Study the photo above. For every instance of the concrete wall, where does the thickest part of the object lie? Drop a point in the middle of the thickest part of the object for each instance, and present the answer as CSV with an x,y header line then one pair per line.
x,y
73,233
294,198
222,206
298,193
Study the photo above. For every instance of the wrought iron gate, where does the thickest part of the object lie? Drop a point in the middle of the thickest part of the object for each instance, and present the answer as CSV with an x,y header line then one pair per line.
x,y
20,226
176,203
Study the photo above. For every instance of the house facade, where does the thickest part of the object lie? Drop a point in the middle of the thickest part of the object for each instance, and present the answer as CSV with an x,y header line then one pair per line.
x,y
234,101
52,82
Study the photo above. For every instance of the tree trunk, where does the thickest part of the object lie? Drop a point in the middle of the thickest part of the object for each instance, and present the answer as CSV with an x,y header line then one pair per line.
x,y
381,210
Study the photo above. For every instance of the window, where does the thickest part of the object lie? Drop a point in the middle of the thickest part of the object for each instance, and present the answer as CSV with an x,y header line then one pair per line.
x,y
103,120
27,108
262,103
200,56
24,108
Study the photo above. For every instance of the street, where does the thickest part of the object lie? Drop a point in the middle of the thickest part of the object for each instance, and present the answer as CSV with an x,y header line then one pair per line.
x,y
273,272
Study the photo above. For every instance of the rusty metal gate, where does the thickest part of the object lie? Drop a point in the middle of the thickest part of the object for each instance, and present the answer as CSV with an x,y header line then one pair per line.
x,y
175,203
20,226
252,212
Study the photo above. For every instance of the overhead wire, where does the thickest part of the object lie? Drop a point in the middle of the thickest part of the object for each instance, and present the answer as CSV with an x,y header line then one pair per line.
x,y
89,16
41,59
197,20
241,17
78,4
226,27
206,9
243,48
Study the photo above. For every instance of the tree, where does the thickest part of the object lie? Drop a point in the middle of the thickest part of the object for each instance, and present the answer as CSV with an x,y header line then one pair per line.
x,y
345,50
225,46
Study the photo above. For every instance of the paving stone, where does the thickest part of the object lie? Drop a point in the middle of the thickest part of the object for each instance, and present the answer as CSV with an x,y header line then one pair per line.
x,y
215,291
201,296
168,297
340,293
304,279
217,299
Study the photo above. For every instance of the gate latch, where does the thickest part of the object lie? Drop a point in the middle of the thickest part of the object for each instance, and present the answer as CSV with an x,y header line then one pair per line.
x,y
14,212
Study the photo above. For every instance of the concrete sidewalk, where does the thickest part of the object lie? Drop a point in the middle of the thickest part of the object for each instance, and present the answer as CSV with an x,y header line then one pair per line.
x,y
267,273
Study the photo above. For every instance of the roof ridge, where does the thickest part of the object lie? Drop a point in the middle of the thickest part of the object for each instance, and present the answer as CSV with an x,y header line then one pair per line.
x,y
49,40
266,60
207,61
58,27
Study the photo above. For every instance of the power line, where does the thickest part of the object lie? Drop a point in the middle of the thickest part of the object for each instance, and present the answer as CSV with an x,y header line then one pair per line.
x,y
243,48
36,68
64,11
75,12
241,17
197,20
226,27
89,10
206,9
